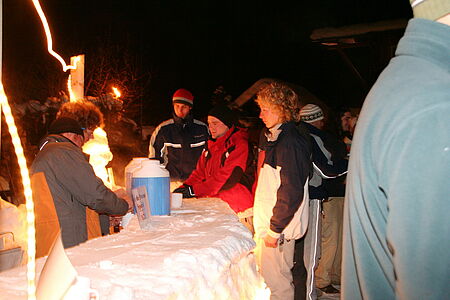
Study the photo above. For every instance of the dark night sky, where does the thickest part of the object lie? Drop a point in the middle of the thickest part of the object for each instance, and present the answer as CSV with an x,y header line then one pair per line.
x,y
195,44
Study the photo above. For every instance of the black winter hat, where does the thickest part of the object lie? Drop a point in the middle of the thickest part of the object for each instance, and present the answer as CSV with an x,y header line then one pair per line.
x,y
224,114
64,124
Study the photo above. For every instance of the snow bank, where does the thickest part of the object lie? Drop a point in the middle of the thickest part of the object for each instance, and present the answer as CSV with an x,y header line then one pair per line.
x,y
201,251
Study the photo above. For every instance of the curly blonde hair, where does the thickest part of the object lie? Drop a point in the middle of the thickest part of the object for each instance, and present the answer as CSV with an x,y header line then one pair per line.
x,y
87,114
283,98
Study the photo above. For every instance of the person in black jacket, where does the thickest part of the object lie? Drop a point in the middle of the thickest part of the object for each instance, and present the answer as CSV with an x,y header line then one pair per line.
x,y
281,196
324,168
179,141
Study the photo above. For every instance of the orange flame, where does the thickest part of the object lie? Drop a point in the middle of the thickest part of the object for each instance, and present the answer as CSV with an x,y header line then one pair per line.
x,y
31,264
116,92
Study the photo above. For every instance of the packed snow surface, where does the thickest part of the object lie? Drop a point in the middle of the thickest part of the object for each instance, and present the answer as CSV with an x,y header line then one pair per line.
x,y
200,251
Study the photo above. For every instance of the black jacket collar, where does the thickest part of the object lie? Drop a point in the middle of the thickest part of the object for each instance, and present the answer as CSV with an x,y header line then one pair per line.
x,y
186,121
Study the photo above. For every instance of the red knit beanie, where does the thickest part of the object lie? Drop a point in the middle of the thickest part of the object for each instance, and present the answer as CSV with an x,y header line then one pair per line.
x,y
183,96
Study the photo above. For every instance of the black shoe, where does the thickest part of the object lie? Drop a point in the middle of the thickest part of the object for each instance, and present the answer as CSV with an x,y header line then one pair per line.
x,y
329,289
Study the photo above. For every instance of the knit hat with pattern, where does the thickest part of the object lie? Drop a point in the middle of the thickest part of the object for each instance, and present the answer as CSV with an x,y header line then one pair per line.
x,y
310,113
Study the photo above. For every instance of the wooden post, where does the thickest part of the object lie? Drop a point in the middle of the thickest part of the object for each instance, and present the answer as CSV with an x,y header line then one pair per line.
x,y
77,77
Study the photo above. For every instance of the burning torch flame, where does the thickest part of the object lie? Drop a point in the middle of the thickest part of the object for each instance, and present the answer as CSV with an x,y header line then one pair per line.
x,y
116,92
31,264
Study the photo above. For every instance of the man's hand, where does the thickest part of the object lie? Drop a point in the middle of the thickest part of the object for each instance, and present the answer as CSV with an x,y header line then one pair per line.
x,y
186,190
270,242
122,193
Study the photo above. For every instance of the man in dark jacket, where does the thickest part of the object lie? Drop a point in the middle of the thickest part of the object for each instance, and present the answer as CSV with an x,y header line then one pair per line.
x,y
323,168
72,181
281,196
178,142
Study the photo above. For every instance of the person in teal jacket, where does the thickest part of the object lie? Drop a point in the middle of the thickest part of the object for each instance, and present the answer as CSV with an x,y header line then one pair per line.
x,y
396,219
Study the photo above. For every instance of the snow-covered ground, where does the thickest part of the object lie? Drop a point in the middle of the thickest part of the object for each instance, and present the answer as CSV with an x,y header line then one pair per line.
x,y
201,251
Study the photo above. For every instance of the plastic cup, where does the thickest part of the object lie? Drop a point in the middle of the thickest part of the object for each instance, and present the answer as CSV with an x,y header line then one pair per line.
x,y
176,200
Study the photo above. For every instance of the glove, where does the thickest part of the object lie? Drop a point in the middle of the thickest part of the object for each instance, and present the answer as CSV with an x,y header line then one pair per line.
x,y
186,190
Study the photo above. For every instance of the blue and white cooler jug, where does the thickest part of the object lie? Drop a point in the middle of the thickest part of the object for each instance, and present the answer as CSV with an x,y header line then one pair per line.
x,y
156,180
134,165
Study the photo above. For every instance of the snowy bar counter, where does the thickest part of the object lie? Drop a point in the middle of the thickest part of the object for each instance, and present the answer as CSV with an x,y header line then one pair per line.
x,y
201,251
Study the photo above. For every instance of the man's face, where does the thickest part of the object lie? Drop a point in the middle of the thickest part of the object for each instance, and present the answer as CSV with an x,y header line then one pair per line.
x,y
270,115
318,124
345,121
80,140
181,110
77,139
216,127
87,135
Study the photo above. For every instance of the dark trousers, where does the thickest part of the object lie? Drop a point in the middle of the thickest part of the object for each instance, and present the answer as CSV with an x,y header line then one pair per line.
x,y
299,273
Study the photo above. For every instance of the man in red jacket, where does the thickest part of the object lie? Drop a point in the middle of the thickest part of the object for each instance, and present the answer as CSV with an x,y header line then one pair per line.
x,y
220,170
